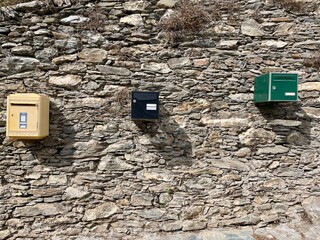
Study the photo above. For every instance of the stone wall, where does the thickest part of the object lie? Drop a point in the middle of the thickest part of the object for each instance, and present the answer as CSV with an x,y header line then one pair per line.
x,y
214,160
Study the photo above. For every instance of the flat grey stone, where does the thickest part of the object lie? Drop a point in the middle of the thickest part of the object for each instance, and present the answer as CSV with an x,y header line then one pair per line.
x,y
288,123
120,146
167,3
152,214
23,51
256,136
4,30
29,6
227,163
46,54
74,19
192,225
141,199
274,44
93,55
251,28
172,226
108,70
309,86
5,234
21,64
43,32
65,59
65,81
312,112
250,219
135,6
102,211
307,44
179,62
75,193
284,28
312,207
273,150
109,163
133,20
45,209
156,67
226,123
70,45
57,180
227,44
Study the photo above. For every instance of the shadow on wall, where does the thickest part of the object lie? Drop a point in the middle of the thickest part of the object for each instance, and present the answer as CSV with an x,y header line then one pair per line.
x,y
61,133
289,121
169,139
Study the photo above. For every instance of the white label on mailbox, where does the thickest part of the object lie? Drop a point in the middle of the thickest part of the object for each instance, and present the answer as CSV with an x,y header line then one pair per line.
x,y
23,120
289,93
151,106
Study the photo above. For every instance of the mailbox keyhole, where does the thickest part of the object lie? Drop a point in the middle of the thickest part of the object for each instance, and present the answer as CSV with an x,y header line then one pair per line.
x,y
274,87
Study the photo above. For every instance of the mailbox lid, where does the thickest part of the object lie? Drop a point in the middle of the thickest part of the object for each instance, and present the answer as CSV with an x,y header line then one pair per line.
x,y
25,97
146,96
284,87
144,105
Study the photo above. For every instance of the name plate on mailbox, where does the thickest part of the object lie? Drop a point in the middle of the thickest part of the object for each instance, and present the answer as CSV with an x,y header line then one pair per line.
x,y
23,120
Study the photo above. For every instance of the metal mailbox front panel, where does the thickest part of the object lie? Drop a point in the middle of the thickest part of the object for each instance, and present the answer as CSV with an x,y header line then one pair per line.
x,y
284,87
145,105
23,118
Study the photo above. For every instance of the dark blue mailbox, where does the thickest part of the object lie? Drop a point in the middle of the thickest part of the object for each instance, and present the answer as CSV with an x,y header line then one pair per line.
x,y
144,105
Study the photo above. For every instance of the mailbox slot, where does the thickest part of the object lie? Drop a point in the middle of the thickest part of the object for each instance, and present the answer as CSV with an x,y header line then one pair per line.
x,y
23,104
144,105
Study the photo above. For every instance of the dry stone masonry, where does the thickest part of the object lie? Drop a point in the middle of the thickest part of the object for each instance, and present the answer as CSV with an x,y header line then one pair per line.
x,y
215,167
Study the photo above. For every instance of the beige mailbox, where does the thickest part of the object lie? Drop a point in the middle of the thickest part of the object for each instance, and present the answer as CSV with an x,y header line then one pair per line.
x,y
27,116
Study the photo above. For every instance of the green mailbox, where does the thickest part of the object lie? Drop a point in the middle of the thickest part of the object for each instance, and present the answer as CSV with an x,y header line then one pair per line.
x,y
276,87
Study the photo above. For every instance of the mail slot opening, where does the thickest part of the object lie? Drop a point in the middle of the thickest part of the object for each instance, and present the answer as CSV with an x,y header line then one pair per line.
x,y
23,104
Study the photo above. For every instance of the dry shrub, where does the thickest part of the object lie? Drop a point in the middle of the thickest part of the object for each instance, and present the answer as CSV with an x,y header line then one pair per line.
x,y
258,237
230,7
96,19
313,61
189,17
291,5
4,3
122,96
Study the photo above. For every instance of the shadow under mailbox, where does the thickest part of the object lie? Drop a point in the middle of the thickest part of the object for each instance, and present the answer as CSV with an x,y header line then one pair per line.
x,y
168,138
288,120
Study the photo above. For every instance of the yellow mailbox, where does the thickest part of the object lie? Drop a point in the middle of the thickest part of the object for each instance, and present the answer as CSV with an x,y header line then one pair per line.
x,y
27,116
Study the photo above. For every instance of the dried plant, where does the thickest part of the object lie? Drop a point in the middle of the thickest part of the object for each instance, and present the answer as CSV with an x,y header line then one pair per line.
x,y
122,96
189,17
313,61
96,19
258,237
291,5
4,3
230,7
